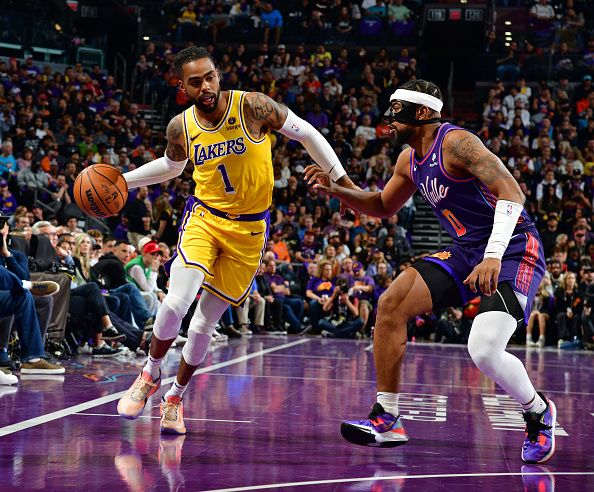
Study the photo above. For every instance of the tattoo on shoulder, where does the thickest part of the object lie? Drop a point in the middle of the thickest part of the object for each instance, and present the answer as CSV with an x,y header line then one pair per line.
x,y
176,145
470,153
262,113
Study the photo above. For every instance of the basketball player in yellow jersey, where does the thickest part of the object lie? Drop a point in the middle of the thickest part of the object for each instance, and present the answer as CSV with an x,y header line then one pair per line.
x,y
226,137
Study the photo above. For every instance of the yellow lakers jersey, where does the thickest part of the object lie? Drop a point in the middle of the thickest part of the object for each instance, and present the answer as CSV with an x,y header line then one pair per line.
x,y
232,169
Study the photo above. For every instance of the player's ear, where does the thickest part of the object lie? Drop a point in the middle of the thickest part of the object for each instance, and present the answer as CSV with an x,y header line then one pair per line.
x,y
423,113
181,86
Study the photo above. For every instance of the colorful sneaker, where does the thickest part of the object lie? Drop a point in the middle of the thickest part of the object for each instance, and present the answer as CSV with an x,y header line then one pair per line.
x,y
172,416
539,444
132,403
382,429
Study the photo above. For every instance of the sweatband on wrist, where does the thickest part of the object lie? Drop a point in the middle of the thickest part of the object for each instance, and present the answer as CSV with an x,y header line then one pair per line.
x,y
157,171
506,217
316,145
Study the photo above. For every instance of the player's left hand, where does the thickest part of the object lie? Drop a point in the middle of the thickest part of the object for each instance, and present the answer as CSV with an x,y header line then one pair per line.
x,y
321,180
485,276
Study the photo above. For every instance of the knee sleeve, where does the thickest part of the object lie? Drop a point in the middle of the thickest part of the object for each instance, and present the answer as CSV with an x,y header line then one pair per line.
x,y
195,348
488,338
209,310
183,287
172,311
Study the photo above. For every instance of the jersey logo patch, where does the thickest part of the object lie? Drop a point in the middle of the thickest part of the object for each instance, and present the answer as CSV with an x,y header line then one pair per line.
x,y
442,255
433,162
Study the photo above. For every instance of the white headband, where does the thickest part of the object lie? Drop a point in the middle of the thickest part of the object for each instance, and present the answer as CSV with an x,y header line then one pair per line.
x,y
418,98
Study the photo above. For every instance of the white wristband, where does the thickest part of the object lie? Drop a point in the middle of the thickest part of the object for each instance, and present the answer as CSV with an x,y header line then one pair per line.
x,y
316,145
506,217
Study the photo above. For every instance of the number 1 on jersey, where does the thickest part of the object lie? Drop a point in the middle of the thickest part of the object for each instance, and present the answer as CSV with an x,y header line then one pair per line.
x,y
456,224
228,186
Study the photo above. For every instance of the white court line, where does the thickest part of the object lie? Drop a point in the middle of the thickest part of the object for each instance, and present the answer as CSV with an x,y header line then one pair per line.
x,y
395,477
81,407
157,417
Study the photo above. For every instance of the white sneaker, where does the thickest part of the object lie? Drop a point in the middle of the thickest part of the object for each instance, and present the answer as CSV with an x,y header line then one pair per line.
x,y
244,330
541,342
8,379
179,341
219,337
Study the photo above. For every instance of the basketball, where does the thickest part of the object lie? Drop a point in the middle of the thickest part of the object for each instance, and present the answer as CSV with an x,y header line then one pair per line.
x,y
100,191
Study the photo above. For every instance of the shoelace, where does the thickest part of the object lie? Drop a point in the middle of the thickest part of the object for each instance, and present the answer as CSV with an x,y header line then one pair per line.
x,y
533,430
138,389
170,410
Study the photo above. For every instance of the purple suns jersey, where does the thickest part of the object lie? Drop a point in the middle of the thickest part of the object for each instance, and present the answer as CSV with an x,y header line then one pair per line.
x,y
464,207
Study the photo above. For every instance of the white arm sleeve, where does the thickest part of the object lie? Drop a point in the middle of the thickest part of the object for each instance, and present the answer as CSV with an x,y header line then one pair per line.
x,y
506,217
154,172
316,145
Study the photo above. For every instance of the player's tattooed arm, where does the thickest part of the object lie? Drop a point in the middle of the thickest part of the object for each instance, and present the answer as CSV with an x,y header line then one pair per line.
x,y
466,153
263,113
176,140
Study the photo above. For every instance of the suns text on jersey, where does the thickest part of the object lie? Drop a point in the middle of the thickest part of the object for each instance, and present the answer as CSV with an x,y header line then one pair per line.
x,y
220,149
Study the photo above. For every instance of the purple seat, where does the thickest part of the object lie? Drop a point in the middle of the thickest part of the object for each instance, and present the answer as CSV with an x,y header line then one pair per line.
x,y
370,27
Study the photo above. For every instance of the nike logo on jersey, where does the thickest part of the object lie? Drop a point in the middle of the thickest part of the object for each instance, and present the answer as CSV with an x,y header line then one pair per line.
x,y
195,136
255,233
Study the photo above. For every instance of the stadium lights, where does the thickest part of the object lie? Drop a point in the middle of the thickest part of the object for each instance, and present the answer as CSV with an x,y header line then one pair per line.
x,y
508,23
507,44
58,27
463,1
146,38
508,38
508,33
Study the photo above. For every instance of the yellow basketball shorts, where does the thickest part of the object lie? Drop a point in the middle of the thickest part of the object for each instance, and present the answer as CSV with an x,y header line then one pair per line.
x,y
228,251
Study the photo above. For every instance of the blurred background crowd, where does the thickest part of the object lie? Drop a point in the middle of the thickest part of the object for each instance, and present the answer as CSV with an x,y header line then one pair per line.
x,y
335,63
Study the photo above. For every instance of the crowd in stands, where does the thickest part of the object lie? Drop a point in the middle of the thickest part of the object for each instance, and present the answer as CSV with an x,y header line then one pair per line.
x,y
312,22
322,273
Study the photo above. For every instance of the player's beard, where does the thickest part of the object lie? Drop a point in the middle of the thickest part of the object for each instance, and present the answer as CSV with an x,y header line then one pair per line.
x,y
402,136
206,108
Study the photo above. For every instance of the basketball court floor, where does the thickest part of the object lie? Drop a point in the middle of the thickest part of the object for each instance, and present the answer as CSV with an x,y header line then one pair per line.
x,y
264,414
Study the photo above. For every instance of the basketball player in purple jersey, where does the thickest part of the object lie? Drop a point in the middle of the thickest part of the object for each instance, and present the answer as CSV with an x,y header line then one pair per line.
x,y
496,251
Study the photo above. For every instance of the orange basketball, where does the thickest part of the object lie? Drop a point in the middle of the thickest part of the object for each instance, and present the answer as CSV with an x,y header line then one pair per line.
x,y
100,191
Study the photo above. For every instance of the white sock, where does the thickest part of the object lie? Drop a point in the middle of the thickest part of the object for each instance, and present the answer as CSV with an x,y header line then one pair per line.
x,y
176,390
27,284
486,344
389,401
535,405
153,366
